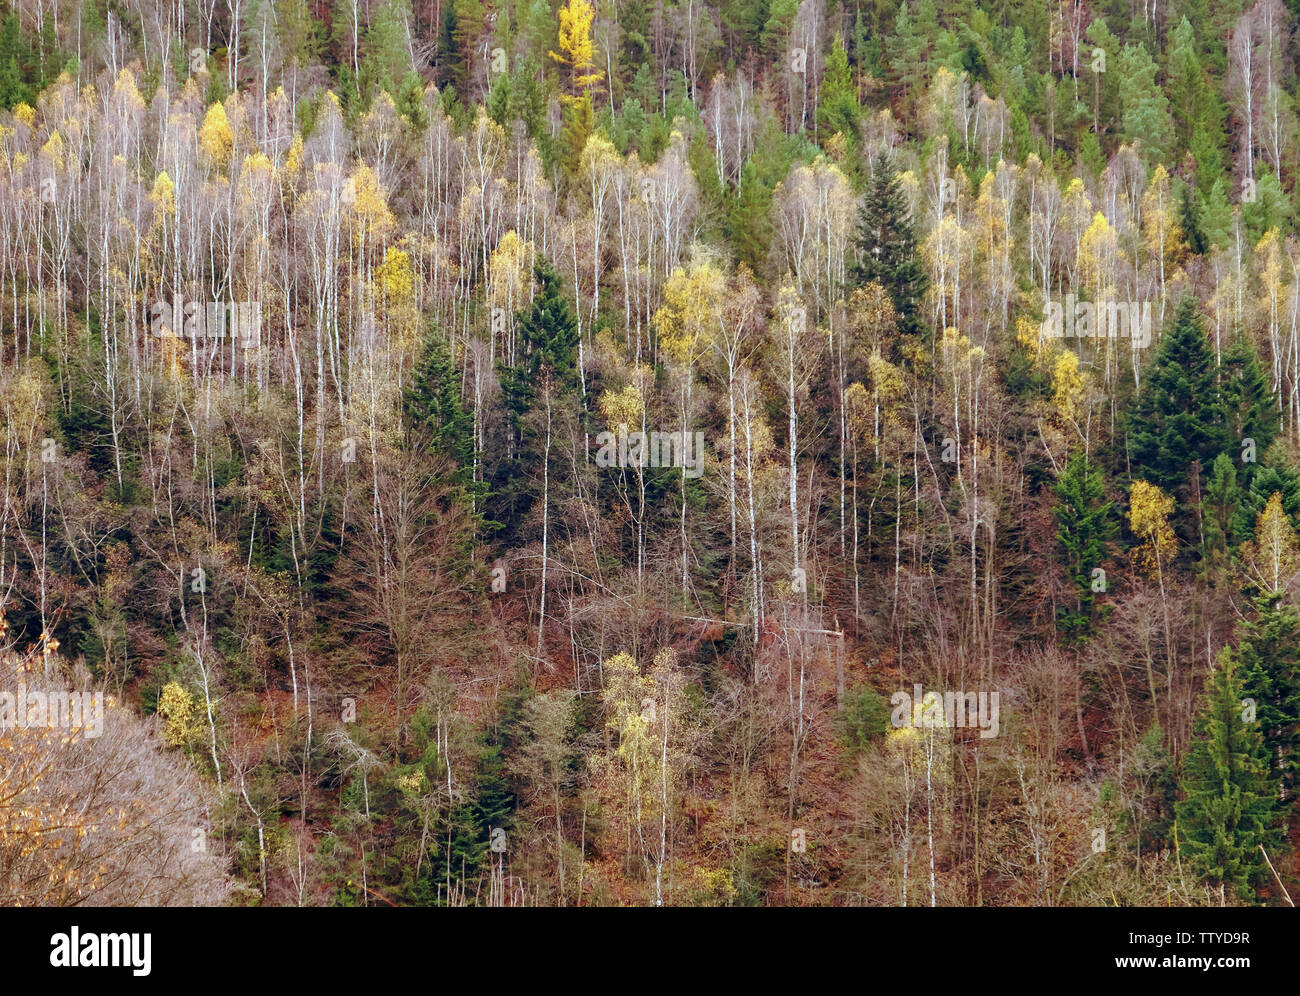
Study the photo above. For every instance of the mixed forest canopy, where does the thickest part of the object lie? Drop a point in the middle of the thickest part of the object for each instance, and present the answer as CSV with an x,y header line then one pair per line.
x,y
723,452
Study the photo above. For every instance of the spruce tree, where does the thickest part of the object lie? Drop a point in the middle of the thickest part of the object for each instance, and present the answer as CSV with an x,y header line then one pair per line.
x,y
1176,421
1084,527
885,241
548,346
1229,805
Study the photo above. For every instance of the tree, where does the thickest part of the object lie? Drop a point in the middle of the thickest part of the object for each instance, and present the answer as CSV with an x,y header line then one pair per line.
x,y
1229,800
1084,528
1269,651
546,758
1146,108
1251,415
433,403
541,390
886,245
1189,220
577,50
838,110
413,542
1272,558
1274,475
95,810
1176,423
1219,510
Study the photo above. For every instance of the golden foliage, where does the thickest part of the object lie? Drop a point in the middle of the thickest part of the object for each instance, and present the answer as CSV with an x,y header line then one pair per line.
x,y
1149,511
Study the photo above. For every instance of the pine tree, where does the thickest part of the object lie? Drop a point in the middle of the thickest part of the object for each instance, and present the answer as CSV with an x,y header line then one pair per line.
x,y
886,246
1146,108
1229,805
1084,527
1176,422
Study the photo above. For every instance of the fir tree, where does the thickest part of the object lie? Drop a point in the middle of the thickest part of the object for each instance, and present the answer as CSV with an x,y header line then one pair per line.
x,y
1229,805
1084,527
1274,474
1269,652
1218,516
1189,219
1176,422
886,246
1250,409
433,403
548,362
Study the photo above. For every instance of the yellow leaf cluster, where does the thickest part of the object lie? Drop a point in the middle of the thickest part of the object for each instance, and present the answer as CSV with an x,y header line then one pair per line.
x,y
1149,511
216,137
622,408
577,50
176,707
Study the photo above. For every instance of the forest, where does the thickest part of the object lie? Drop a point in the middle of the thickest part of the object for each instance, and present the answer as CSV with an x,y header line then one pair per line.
x,y
683,453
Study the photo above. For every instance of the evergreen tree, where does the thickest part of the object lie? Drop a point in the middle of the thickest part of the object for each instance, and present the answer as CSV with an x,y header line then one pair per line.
x,y
1271,208
1274,474
1146,108
14,58
838,109
548,362
1218,517
1229,805
1217,215
1270,656
886,245
1189,219
1250,409
1194,103
1176,421
1084,527
578,126
433,403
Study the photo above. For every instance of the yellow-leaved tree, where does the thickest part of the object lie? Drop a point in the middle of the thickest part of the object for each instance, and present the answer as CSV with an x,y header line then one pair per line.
x,y
577,50
1149,511
640,779
394,291
1272,558
1148,516
216,137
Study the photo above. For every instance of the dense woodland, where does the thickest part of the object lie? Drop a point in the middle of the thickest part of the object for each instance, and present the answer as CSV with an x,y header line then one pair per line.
x,y
378,627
